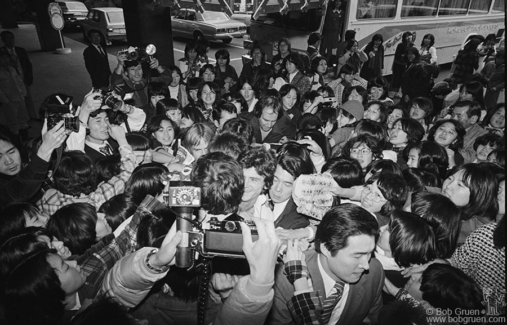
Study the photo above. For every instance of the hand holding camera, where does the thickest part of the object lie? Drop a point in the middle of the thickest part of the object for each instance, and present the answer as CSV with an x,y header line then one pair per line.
x,y
51,139
167,251
91,102
122,57
154,63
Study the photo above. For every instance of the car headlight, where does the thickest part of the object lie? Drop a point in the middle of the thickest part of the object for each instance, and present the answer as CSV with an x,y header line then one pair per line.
x,y
110,29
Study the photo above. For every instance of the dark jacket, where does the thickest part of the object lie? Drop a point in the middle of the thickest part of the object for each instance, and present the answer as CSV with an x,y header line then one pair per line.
x,y
290,218
97,66
25,63
25,184
283,127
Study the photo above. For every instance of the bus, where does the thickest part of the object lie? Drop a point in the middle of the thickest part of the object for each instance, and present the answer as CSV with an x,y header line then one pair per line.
x,y
450,21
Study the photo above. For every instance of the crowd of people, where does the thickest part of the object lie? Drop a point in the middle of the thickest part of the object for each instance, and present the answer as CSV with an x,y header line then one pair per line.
x,y
374,201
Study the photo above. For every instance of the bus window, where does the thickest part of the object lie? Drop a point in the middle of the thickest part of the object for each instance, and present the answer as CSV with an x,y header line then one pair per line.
x,y
479,7
295,20
380,9
499,7
417,8
453,7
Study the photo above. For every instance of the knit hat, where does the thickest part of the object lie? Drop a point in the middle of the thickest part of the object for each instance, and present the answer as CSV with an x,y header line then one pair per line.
x,y
354,108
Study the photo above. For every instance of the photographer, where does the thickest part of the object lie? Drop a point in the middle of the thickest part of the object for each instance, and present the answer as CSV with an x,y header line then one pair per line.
x,y
18,182
93,137
129,75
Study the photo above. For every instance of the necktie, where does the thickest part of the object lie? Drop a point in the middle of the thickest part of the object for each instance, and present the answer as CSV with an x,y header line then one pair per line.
x,y
106,150
331,301
100,50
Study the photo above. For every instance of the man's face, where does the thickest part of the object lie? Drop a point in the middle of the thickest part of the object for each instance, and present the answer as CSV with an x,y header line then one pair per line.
x,y
200,150
95,38
460,114
350,262
10,159
99,128
135,74
268,119
281,190
254,184
8,40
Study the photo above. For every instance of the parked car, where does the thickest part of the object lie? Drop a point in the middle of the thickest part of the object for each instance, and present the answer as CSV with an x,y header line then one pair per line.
x,y
213,25
243,17
108,21
74,12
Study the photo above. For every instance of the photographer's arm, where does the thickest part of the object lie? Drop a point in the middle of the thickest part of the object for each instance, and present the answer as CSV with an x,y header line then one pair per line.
x,y
251,299
76,140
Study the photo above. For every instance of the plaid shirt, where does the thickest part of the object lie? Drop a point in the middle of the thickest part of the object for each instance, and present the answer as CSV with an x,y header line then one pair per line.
x,y
305,307
96,265
54,199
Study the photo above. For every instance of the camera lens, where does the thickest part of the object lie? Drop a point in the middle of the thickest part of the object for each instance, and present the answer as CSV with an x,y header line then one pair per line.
x,y
230,226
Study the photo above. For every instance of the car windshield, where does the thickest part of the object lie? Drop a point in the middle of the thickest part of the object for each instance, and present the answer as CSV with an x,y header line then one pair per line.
x,y
115,17
73,6
214,15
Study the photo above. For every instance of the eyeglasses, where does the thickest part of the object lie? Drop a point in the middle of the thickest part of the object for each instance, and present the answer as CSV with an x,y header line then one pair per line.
x,y
376,197
363,151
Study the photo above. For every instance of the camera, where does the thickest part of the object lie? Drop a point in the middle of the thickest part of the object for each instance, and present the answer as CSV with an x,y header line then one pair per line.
x,y
329,99
212,238
58,112
141,54
108,98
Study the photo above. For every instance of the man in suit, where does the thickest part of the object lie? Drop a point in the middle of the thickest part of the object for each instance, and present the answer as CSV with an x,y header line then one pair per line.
x,y
96,61
18,59
346,282
269,123
288,168
313,46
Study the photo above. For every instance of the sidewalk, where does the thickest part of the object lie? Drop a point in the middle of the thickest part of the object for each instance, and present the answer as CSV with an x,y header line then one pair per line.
x,y
52,73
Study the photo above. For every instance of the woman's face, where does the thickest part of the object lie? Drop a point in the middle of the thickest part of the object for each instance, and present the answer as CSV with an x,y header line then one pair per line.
x,y
69,273
247,92
455,189
192,54
347,77
165,133
377,43
397,136
257,56
410,56
395,114
362,154
174,115
291,67
176,79
427,41
483,150
222,62
372,198
193,94
10,159
306,105
354,47
289,100
498,119
155,99
413,158
373,113
354,95
376,92
408,38
186,122
464,95
446,134
417,113
208,75
343,120
322,67
207,95
283,48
